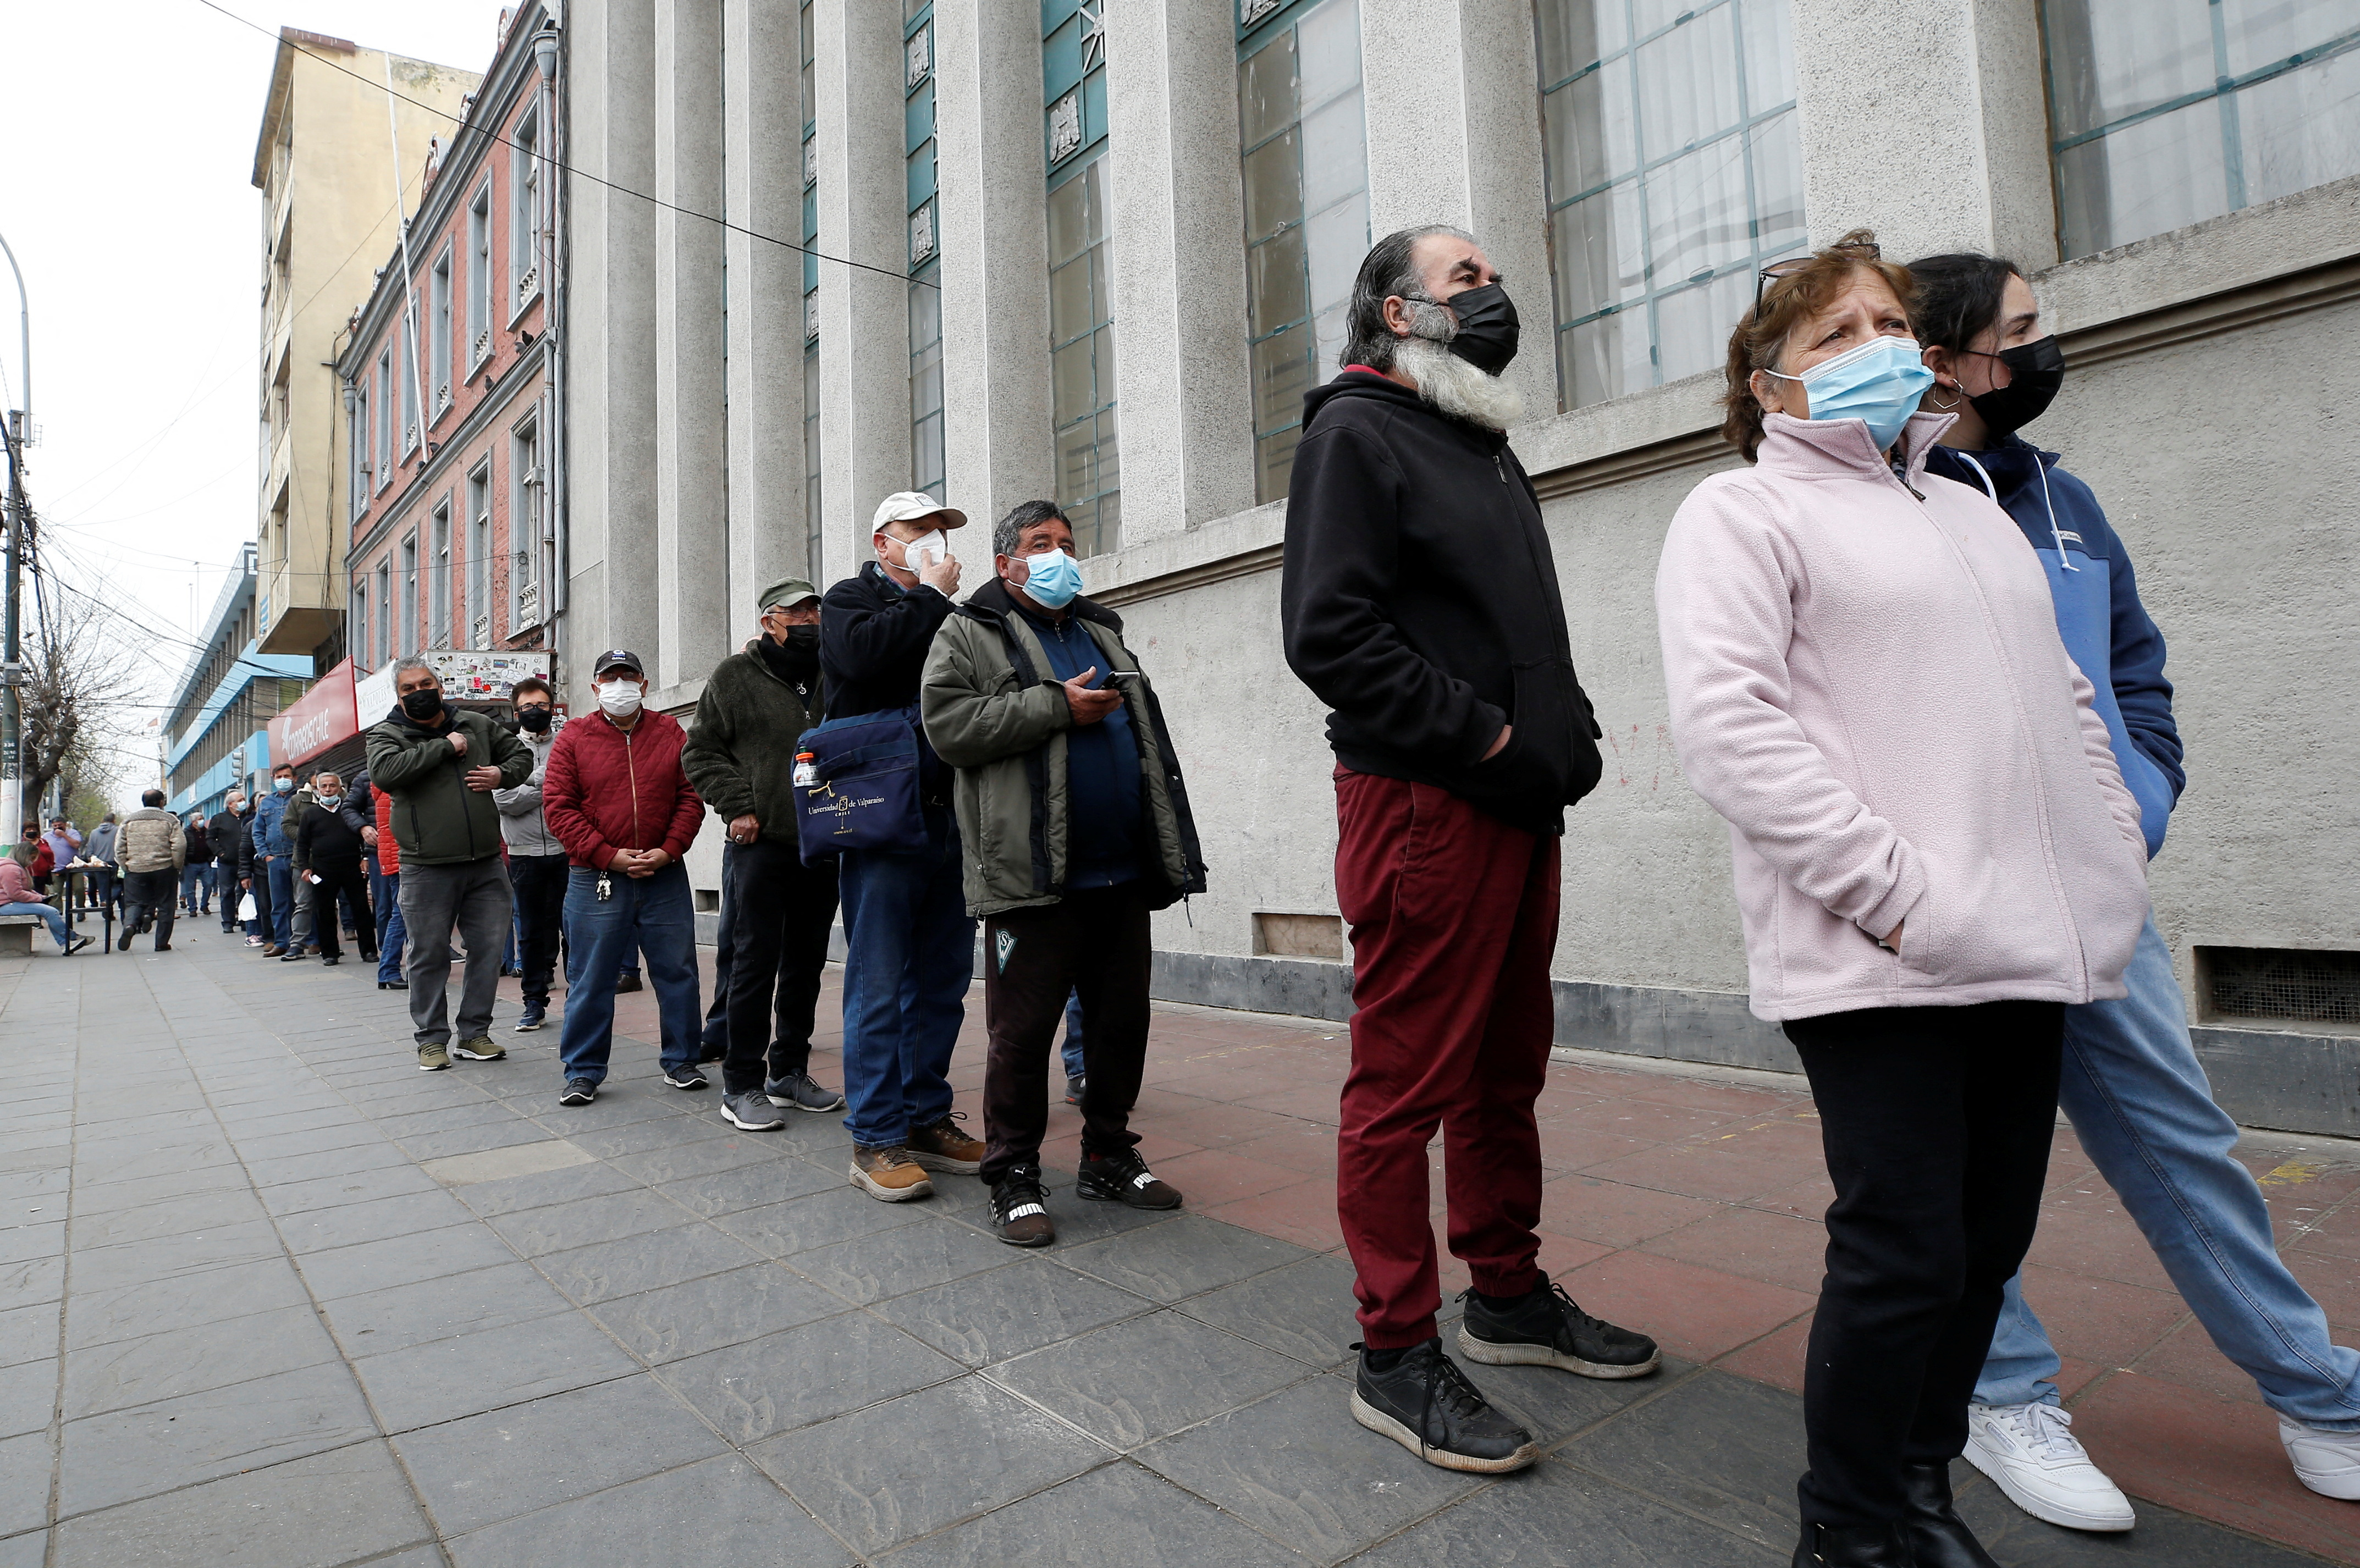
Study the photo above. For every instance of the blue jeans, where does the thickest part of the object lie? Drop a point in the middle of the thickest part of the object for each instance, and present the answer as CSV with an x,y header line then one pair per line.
x,y
197,888
385,898
654,915
910,956
281,871
2138,1097
1072,1050
50,917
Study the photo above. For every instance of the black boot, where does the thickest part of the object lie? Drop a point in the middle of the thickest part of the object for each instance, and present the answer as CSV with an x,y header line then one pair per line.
x,y
1937,1536
1853,1546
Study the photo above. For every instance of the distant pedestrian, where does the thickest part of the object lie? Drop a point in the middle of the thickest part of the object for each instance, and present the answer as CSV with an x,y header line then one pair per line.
x,y
275,860
100,848
224,832
537,863
740,757
17,897
1070,798
152,849
385,895
65,842
440,764
328,846
250,873
37,859
197,876
304,937
615,794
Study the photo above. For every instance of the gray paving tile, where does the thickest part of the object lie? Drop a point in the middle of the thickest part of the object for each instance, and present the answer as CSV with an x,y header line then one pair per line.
x,y
344,1506
177,1361
30,1550
307,1140
379,1320
26,1333
351,1187
32,1238
606,1270
1528,1519
334,1162
839,1214
99,1317
446,1379
671,1162
1137,1380
25,1464
108,1197
990,1317
137,1453
399,1260
1299,1467
29,1396
879,1477
486,1468
2164,1536
608,1217
1716,1445
707,1313
608,1111
446,1118
719,1510
167,1256
910,1257
194,1212
473,1139
378,1219
507,1195
1180,1258
612,1140
804,1375
751,1186
1552,1404
1118,1516
102,1165
1303,1309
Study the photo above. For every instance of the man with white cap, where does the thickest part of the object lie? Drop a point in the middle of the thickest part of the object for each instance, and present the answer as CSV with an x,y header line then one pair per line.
x,y
909,945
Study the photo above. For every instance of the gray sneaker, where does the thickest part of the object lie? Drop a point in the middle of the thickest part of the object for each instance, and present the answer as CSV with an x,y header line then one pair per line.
x,y
751,1112
800,1092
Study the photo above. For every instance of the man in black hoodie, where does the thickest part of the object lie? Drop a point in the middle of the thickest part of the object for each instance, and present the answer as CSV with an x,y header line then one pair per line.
x,y
1421,605
328,850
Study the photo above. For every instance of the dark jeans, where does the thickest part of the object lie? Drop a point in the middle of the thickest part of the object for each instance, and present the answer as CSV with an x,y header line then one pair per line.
x,y
473,895
197,888
145,892
909,958
278,911
262,925
385,897
780,916
1093,942
345,877
540,883
1936,1122
654,915
725,949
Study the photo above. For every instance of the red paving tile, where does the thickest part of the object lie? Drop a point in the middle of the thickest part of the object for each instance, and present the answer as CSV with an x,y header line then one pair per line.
x,y
2333,1281
2099,1320
1307,1102
1215,1176
1615,1213
1777,1358
2335,1232
1777,1250
1718,1171
2186,1356
1307,1148
2091,1234
1643,1119
1222,1127
1565,1147
1694,1313
1304,1213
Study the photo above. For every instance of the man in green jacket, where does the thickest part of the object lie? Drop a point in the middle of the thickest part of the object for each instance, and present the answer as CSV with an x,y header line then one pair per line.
x,y
740,756
439,767
1078,825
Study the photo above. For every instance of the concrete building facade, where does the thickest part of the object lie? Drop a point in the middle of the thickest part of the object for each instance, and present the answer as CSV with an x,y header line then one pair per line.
x,y
215,735
1191,182
338,121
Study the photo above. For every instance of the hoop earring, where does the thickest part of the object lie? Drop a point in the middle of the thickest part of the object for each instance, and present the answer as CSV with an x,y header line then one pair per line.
x,y
1958,396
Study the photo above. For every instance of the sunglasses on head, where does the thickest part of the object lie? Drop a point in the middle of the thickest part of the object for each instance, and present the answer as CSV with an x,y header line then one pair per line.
x,y
1856,250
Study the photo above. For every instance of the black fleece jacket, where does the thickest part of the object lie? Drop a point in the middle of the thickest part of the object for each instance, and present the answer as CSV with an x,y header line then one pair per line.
x,y
1421,605
873,636
327,836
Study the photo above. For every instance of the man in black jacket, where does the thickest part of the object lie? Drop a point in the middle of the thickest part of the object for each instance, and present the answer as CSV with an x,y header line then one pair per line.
x,y
226,832
909,945
1421,605
328,849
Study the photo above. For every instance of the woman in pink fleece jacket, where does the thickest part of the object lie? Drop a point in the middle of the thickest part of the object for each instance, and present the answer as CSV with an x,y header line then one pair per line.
x,y
1934,852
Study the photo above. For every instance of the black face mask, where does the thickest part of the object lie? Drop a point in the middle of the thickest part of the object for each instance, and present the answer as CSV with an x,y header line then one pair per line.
x,y
2035,370
1488,328
422,705
803,639
533,719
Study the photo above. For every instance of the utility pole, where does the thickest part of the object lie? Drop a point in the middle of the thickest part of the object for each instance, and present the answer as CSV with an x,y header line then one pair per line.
x,y
12,667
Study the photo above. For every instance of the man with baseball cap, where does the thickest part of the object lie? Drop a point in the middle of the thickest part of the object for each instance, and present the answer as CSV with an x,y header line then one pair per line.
x,y
740,757
909,946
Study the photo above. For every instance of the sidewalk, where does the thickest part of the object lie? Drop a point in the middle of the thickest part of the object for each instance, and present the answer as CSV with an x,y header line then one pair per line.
x,y
270,1296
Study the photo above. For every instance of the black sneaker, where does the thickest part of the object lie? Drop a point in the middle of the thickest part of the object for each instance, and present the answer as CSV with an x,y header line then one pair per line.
x,y
686,1078
1425,1404
629,982
1544,1328
1020,1208
802,1092
1124,1179
535,1014
1074,1087
578,1091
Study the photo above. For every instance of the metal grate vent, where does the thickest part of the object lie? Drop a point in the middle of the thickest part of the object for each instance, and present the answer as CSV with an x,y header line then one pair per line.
x,y
2295,984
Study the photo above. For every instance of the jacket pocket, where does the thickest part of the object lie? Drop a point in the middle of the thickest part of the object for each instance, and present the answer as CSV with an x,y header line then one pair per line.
x,y
1980,924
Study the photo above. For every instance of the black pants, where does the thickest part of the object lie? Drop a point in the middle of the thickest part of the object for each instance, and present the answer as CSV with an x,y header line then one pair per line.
x,y
725,948
540,883
1093,942
1937,1124
345,877
779,912
151,892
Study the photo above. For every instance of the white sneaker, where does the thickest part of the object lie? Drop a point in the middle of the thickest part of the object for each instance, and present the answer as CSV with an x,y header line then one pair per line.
x,y
2326,1462
2043,1471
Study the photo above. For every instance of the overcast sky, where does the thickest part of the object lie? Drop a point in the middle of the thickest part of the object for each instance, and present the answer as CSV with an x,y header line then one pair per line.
x,y
127,200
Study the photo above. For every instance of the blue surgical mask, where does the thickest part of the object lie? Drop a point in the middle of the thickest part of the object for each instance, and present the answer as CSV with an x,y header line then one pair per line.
x,y
1052,579
1880,381
332,801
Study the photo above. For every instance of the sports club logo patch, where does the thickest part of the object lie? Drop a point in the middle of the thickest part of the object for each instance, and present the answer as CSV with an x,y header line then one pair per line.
x,y
1005,941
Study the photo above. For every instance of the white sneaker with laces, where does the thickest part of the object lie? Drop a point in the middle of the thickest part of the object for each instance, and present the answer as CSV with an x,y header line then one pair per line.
x,y
2044,1470
2326,1462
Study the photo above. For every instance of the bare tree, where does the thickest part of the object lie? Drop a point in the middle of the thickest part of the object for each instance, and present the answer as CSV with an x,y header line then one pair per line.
x,y
78,674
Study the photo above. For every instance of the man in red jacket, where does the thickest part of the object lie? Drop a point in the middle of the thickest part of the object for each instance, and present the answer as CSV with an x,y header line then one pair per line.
x,y
615,794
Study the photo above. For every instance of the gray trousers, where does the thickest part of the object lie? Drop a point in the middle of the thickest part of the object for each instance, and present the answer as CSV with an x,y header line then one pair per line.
x,y
474,896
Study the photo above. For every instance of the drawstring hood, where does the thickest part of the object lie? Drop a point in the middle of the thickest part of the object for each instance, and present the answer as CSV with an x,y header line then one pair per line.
x,y
2040,466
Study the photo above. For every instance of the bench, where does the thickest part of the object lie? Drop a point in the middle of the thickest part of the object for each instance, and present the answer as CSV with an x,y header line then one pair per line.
x,y
16,935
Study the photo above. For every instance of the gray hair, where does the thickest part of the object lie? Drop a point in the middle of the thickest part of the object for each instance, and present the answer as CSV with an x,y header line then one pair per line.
x,y
1389,271
413,662
1022,515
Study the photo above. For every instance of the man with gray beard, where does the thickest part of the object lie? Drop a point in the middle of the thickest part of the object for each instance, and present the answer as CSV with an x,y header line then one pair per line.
x,y
1421,605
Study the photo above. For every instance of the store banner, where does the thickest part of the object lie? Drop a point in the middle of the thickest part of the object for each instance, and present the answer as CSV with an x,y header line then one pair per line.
x,y
324,717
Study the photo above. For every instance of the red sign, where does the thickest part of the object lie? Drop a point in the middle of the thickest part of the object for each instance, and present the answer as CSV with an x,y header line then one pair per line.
x,y
324,717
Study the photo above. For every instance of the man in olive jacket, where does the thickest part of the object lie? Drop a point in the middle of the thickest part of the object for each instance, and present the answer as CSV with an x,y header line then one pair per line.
x,y
1078,825
740,756
439,767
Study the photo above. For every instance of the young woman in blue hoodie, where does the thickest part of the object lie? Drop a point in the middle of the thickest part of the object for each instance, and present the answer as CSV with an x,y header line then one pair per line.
x,y
2131,1084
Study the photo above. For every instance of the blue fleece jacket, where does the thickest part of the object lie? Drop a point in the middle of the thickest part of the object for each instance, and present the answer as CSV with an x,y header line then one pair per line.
x,y
2105,627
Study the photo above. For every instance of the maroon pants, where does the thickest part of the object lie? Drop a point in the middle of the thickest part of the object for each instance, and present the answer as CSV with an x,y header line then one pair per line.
x,y
1454,919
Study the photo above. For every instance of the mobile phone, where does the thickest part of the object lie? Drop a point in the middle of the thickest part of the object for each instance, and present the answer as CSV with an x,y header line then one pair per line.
x,y
1114,675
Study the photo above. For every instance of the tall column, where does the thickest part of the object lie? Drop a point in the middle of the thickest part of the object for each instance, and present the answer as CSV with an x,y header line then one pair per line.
x,y
1177,218
1455,137
1942,145
995,266
863,338
692,583
611,290
763,128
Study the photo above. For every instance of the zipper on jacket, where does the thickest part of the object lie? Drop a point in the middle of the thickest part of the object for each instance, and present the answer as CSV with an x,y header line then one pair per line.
x,y
1499,467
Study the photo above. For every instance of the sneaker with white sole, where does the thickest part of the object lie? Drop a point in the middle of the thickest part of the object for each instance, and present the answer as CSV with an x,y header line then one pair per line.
x,y
2326,1462
2027,1451
750,1110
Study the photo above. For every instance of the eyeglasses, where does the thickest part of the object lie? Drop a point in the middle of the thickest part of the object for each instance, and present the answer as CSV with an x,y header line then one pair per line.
x,y
1856,250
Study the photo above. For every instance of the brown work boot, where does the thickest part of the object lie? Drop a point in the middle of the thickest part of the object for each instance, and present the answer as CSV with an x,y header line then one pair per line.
x,y
945,1146
889,1174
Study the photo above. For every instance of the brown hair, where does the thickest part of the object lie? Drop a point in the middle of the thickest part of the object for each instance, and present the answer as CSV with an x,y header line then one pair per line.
x,y
1788,298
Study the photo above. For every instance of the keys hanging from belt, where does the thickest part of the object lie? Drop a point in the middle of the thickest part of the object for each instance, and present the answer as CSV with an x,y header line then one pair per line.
x,y
606,887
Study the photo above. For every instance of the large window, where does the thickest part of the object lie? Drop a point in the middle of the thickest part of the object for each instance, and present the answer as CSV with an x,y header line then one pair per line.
x,y
1303,132
925,270
383,647
438,352
479,557
408,372
385,398
438,586
409,617
811,463
524,527
1675,172
811,191
1081,303
480,278
524,208
356,445
2167,111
